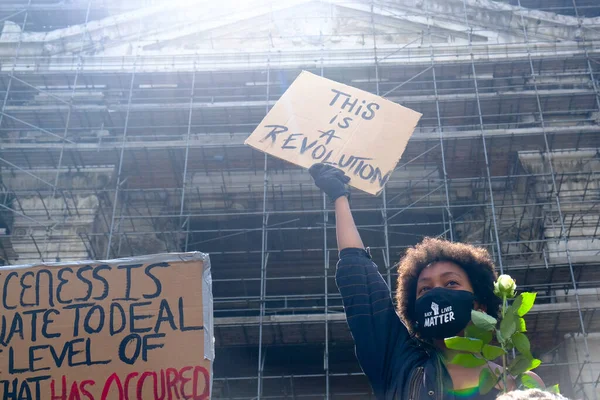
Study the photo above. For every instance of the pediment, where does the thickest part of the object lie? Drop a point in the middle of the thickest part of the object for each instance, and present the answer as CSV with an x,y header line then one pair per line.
x,y
310,25
176,27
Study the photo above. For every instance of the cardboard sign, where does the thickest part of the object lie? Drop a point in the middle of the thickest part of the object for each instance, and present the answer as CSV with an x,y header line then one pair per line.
x,y
321,121
136,328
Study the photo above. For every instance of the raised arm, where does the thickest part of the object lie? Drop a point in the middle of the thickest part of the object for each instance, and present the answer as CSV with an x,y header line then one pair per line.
x,y
345,229
380,338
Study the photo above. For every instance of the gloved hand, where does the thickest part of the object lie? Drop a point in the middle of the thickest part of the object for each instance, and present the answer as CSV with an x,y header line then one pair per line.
x,y
330,180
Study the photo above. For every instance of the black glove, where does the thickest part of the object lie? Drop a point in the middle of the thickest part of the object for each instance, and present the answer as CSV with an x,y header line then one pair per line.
x,y
330,180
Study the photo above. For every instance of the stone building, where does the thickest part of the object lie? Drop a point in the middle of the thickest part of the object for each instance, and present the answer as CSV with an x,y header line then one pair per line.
x,y
121,133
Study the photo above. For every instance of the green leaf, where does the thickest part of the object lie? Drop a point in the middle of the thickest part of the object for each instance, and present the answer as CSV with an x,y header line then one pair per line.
x,y
492,352
523,303
499,337
483,321
521,326
464,344
519,365
517,302
523,364
510,310
468,360
508,326
487,381
553,389
529,382
522,344
473,331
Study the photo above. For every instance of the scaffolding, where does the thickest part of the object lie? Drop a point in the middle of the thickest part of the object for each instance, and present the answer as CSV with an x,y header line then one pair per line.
x,y
118,140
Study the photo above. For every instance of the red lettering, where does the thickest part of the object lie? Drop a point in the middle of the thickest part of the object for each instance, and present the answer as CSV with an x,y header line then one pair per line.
x,y
63,395
172,383
127,379
184,381
74,392
162,385
139,389
113,378
84,391
206,392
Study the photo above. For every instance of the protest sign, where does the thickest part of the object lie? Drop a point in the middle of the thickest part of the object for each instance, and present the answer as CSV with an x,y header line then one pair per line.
x,y
321,121
135,328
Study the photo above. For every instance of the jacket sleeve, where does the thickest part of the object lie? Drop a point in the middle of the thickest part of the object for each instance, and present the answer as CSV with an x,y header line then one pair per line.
x,y
380,337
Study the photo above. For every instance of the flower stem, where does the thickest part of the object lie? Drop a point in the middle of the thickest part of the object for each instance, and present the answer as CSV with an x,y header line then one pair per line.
x,y
504,390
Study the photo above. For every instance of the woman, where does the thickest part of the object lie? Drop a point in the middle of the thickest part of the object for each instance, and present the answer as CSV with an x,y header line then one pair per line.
x,y
439,283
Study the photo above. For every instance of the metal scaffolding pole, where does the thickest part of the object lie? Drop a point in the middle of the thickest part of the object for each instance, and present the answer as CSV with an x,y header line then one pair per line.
x,y
118,181
555,189
596,89
186,223
326,277
356,210
67,123
483,141
12,71
5,102
326,296
278,228
264,258
119,225
440,129
384,201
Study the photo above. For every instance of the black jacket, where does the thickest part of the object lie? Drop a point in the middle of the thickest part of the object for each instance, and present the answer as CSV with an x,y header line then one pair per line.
x,y
397,365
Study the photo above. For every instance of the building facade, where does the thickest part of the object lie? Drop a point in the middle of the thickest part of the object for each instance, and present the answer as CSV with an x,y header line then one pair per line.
x,y
122,129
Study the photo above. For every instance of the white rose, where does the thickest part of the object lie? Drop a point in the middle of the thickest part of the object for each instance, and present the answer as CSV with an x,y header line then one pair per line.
x,y
505,286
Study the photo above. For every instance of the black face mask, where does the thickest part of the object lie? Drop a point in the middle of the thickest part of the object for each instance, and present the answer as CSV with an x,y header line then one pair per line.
x,y
442,313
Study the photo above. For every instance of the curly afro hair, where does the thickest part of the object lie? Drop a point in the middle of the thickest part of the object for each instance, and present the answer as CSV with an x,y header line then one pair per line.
x,y
475,261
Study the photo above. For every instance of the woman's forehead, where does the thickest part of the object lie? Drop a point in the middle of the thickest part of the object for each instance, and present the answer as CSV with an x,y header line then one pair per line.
x,y
442,269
